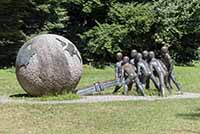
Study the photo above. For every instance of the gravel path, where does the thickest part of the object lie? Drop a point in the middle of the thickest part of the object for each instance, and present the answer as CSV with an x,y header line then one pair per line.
x,y
105,98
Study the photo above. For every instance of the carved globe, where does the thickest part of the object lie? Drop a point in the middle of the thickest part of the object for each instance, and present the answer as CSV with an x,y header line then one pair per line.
x,y
48,65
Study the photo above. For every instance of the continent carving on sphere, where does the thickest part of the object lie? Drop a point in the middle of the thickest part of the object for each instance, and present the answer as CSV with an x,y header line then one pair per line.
x,y
70,48
48,64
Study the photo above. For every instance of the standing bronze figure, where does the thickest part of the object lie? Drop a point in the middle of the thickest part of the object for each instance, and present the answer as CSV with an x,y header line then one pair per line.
x,y
144,71
167,60
145,55
160,70
118,72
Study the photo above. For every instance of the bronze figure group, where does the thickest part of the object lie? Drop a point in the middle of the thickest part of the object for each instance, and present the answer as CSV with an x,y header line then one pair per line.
x,y
143,68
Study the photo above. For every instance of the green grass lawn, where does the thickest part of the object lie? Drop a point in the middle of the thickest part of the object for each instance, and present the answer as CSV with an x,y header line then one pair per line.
x,y
189,77
130,117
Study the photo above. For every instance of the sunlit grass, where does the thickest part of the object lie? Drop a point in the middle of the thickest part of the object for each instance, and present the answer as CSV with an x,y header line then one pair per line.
x,y
69,96
189,78
130,117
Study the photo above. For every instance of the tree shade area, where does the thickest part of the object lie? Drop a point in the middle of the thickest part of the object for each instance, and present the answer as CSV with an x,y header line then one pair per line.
x,y
100,28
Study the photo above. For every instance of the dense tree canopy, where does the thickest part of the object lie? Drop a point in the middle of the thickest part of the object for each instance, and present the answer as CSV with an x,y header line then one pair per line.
x,y
100,28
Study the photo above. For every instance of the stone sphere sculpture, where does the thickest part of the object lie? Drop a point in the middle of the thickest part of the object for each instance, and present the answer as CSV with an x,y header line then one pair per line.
x,y
48,65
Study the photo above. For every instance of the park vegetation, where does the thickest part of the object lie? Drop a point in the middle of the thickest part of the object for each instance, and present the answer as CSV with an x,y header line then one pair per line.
x,y
187,76
176,116
100,28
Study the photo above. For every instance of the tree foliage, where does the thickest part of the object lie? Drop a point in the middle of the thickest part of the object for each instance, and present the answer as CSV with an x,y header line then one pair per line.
x,y
100,28
178,27
127,26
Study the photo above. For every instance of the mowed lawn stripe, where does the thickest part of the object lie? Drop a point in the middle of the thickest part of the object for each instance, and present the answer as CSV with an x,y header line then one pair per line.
x,y
140,117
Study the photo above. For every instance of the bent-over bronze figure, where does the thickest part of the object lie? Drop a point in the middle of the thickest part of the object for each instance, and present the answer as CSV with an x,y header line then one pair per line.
x,y
129,73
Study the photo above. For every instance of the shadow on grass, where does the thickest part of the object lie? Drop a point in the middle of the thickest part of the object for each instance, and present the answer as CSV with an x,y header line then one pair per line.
x,y
194,115
21,95
47,98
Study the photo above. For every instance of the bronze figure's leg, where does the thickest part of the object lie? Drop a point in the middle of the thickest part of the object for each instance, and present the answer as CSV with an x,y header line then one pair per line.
x,y
130,86
173,78
139,85
155,82
148,83
125,90
118,86
161,79
166,81
142,79
169,81
126,86
116,89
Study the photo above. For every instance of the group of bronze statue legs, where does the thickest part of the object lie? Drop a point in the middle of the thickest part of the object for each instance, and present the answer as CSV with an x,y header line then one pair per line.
x,y
143,68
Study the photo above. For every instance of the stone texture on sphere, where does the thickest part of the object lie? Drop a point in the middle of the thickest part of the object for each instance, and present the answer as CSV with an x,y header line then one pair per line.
x,y
47,65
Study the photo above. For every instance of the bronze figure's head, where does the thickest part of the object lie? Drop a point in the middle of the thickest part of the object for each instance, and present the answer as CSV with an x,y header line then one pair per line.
x,y
125,59
164,49
119,56
145,54
133,53
151,54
